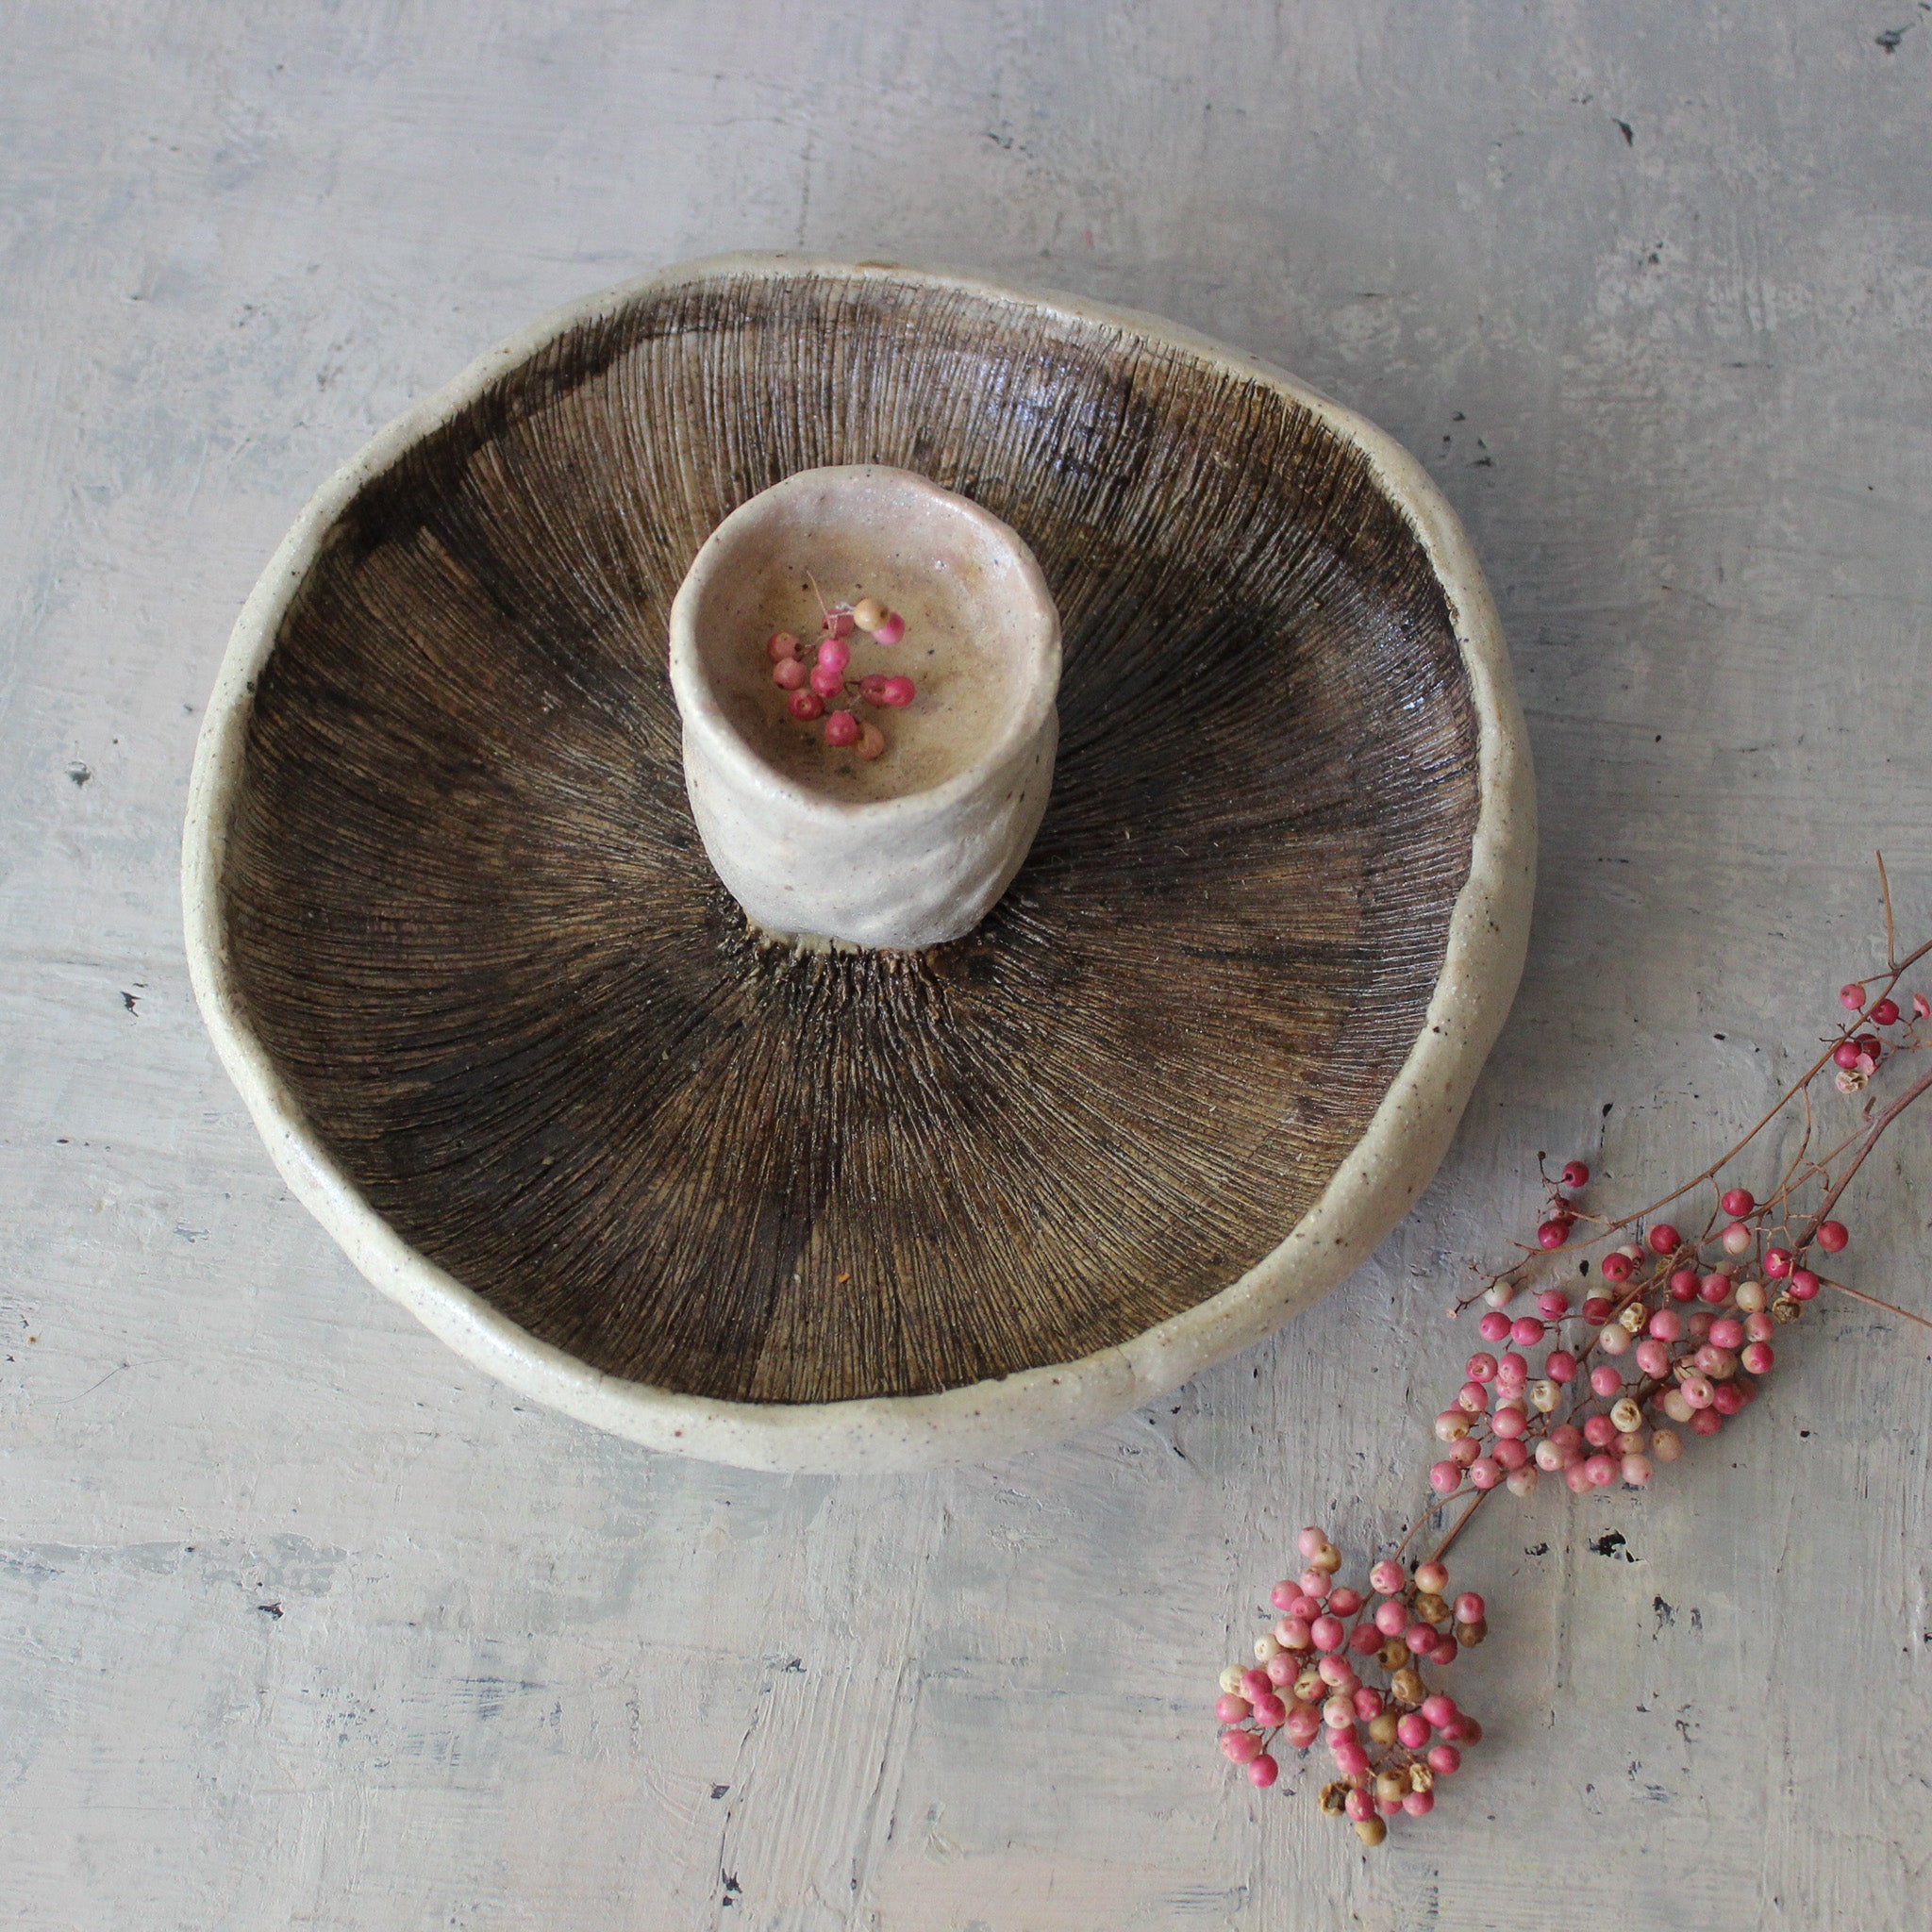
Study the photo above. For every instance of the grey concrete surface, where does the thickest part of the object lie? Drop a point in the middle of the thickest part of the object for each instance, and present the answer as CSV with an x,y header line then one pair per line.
x,y
303,1624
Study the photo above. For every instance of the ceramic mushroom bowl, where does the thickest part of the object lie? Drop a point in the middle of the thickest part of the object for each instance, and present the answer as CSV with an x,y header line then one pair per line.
x,y
514,1040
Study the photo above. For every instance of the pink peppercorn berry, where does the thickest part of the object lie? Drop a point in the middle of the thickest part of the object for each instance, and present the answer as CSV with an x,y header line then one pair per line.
x,y
1738,1202
896,691
1804,1284
1575,1174
1262,1771
804,705
1616,1268
835,654
1777,1262
788,674
1494,1327
842,728
1664,1239
1832,1236
1851,997
1552,1234
892,630
780,645
1885,1013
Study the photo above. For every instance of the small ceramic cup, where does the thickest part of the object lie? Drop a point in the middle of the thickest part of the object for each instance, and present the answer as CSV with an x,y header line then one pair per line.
x,y
819,845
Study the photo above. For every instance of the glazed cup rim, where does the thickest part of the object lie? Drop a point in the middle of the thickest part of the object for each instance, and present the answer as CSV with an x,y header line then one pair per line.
x,y
724,745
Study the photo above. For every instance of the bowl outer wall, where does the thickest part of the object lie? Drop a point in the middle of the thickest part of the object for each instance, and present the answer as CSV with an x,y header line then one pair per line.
x,y
1371,1191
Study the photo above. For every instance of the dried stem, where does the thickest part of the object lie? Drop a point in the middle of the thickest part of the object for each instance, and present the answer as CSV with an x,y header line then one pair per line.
x,y
1858,1294
1482,1496
1865,1146
1801,1085
1891,935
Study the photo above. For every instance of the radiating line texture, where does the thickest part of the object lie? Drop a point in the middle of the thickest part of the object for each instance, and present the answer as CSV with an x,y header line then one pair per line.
x,y
475,930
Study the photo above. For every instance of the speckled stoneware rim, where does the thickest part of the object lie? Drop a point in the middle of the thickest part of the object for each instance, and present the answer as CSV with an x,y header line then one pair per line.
x,y
1373,1187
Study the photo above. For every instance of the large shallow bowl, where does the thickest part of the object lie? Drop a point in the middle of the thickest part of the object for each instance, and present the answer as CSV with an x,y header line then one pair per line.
x,y
509,1039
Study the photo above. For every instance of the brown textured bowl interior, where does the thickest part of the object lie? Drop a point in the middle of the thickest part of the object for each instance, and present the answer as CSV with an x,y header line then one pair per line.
x,y
471,924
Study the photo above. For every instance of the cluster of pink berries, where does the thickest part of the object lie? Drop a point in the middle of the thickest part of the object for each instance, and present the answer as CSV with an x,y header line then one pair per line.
x,y
1856,1059
1697,1330
1306,1680
1693,1312
1675,1334
813,685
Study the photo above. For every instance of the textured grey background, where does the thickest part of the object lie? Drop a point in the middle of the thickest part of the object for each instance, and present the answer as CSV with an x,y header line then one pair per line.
x,y
1649,286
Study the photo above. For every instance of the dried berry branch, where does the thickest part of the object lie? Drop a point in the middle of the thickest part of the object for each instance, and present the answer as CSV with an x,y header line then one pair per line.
x,y
1694,1310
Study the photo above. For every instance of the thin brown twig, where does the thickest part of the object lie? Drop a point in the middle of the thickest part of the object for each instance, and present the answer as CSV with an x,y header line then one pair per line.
x,y
1482,1496
1801,1085
1871,1136
1884,894
1858,1294
1782,1191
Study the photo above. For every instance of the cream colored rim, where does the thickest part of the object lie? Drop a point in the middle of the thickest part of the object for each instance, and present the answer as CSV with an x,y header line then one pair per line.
x,y
1405,1142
